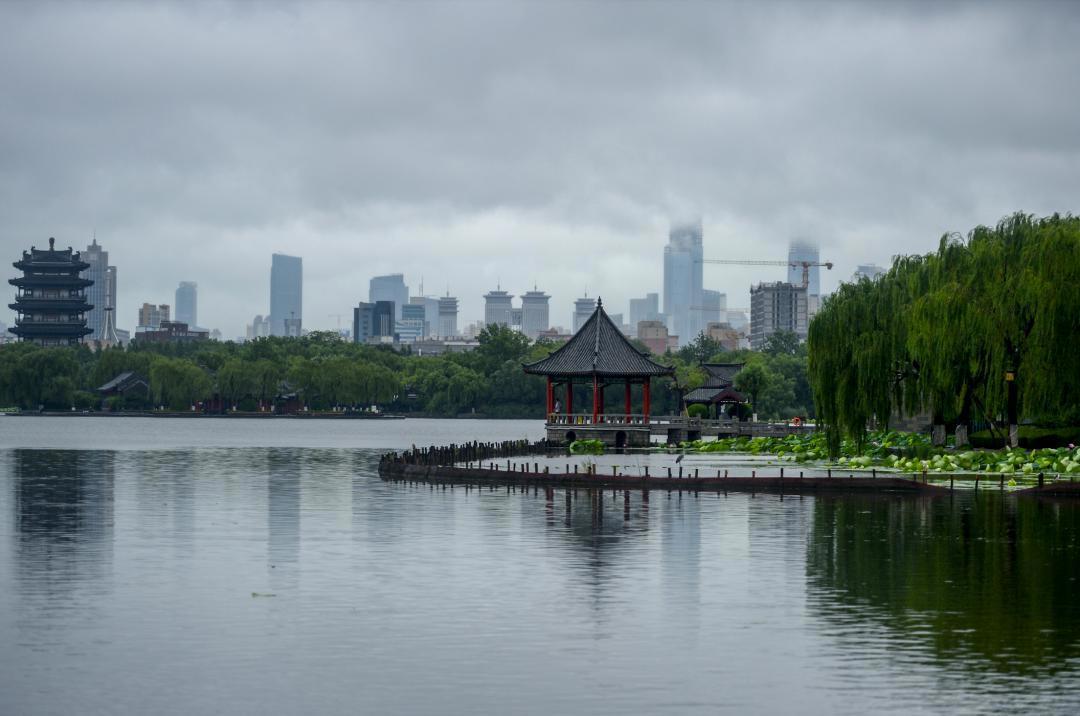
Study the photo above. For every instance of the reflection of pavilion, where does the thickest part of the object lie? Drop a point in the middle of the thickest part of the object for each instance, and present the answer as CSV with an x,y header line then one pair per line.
x,y
63,503
601,355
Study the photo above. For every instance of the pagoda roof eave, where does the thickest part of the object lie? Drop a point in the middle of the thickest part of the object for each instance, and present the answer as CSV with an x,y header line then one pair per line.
x,y
598,349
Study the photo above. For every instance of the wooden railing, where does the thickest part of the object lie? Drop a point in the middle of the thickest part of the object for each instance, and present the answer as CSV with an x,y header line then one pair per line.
x,y
602,419
681,422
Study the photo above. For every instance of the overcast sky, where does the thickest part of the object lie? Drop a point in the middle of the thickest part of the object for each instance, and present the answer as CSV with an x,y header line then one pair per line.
x,y
521,143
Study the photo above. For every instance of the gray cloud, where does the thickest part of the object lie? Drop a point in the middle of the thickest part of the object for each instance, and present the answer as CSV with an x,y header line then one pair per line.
x,y
519,142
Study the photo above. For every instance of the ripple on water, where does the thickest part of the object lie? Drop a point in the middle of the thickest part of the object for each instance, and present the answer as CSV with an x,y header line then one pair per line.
x,y
128,578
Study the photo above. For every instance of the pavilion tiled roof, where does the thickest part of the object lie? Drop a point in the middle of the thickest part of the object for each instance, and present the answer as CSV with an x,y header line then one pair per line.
x,y
714,395
599,348
720,374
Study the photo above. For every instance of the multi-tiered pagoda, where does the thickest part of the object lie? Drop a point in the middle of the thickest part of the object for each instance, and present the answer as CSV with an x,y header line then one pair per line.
x,y
51,302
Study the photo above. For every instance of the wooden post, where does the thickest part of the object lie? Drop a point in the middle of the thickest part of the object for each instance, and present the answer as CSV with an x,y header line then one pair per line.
x,y
629,406
595,399
550,398
569,398
645,407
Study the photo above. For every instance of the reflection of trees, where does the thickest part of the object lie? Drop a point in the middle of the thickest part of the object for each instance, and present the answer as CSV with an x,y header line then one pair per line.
x,y
984,576
63,503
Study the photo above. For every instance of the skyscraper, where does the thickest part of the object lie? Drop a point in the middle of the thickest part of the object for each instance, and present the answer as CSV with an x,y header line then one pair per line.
x,y
431,314
583,308
373,322
286,295
151,316
644,309
534,313
102,293
682,281
448,310
187,303
713,307
497,307
776,307
867,271
802,250
389,288
411,326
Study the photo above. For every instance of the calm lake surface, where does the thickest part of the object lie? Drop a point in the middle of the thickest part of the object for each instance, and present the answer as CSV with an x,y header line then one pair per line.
x,y
138,558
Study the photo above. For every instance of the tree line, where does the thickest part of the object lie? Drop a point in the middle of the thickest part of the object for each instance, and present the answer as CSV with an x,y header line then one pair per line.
x,y
981,331
321,371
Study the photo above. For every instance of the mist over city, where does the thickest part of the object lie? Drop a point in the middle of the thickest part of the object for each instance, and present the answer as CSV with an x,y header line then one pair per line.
x,y
471,146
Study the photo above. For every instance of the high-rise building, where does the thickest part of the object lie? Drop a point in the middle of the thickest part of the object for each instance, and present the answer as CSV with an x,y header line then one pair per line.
x,y
431,313
102,293
738,320
644,309
448,310
798,251
151,317
583,309
286,295
382,320
259,328
187,303
713,307
497,307
655,336
50,301
389,288
534,313
776,307
374,322
362,322
683,267
411,326
868,271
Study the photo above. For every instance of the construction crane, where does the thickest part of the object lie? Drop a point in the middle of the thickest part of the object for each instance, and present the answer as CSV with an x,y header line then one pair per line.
x,y
793,264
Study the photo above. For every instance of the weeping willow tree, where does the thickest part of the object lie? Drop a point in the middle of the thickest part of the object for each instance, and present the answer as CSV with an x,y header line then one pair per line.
x,y
941,332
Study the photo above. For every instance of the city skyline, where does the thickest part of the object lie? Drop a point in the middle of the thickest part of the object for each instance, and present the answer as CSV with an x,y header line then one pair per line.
x,y
563,172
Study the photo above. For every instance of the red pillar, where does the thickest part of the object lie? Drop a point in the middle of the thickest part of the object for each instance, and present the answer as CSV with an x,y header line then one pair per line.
x,y
629,406
595,400
569,398
550,399
646,405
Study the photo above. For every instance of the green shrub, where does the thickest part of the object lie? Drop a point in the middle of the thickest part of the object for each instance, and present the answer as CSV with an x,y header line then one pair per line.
x,y
697,410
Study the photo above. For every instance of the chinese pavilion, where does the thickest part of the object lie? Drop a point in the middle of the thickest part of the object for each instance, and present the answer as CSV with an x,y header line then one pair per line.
x,y
601,355
51,302
719,389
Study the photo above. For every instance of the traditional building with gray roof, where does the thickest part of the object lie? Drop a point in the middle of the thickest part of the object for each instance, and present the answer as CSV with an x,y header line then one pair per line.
x,y
598,353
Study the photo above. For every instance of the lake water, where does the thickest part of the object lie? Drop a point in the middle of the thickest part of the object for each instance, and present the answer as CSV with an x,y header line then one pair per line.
x,y
261,567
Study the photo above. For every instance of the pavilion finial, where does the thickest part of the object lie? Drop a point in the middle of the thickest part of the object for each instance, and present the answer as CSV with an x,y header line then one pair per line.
x,y
599,302
52,242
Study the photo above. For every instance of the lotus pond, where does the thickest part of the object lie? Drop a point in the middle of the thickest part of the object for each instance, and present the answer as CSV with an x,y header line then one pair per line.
x,y
905,453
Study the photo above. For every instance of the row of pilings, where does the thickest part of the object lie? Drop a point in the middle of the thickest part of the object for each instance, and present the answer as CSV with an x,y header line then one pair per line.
x,y
448,455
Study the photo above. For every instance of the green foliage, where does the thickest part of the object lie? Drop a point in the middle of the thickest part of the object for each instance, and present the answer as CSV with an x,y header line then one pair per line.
x,y
324,371
698,410
938,332
587,447
901,452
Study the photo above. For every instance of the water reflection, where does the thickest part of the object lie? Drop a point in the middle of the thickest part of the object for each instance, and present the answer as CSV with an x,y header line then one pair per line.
x,y
283,506
63,508
979,581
